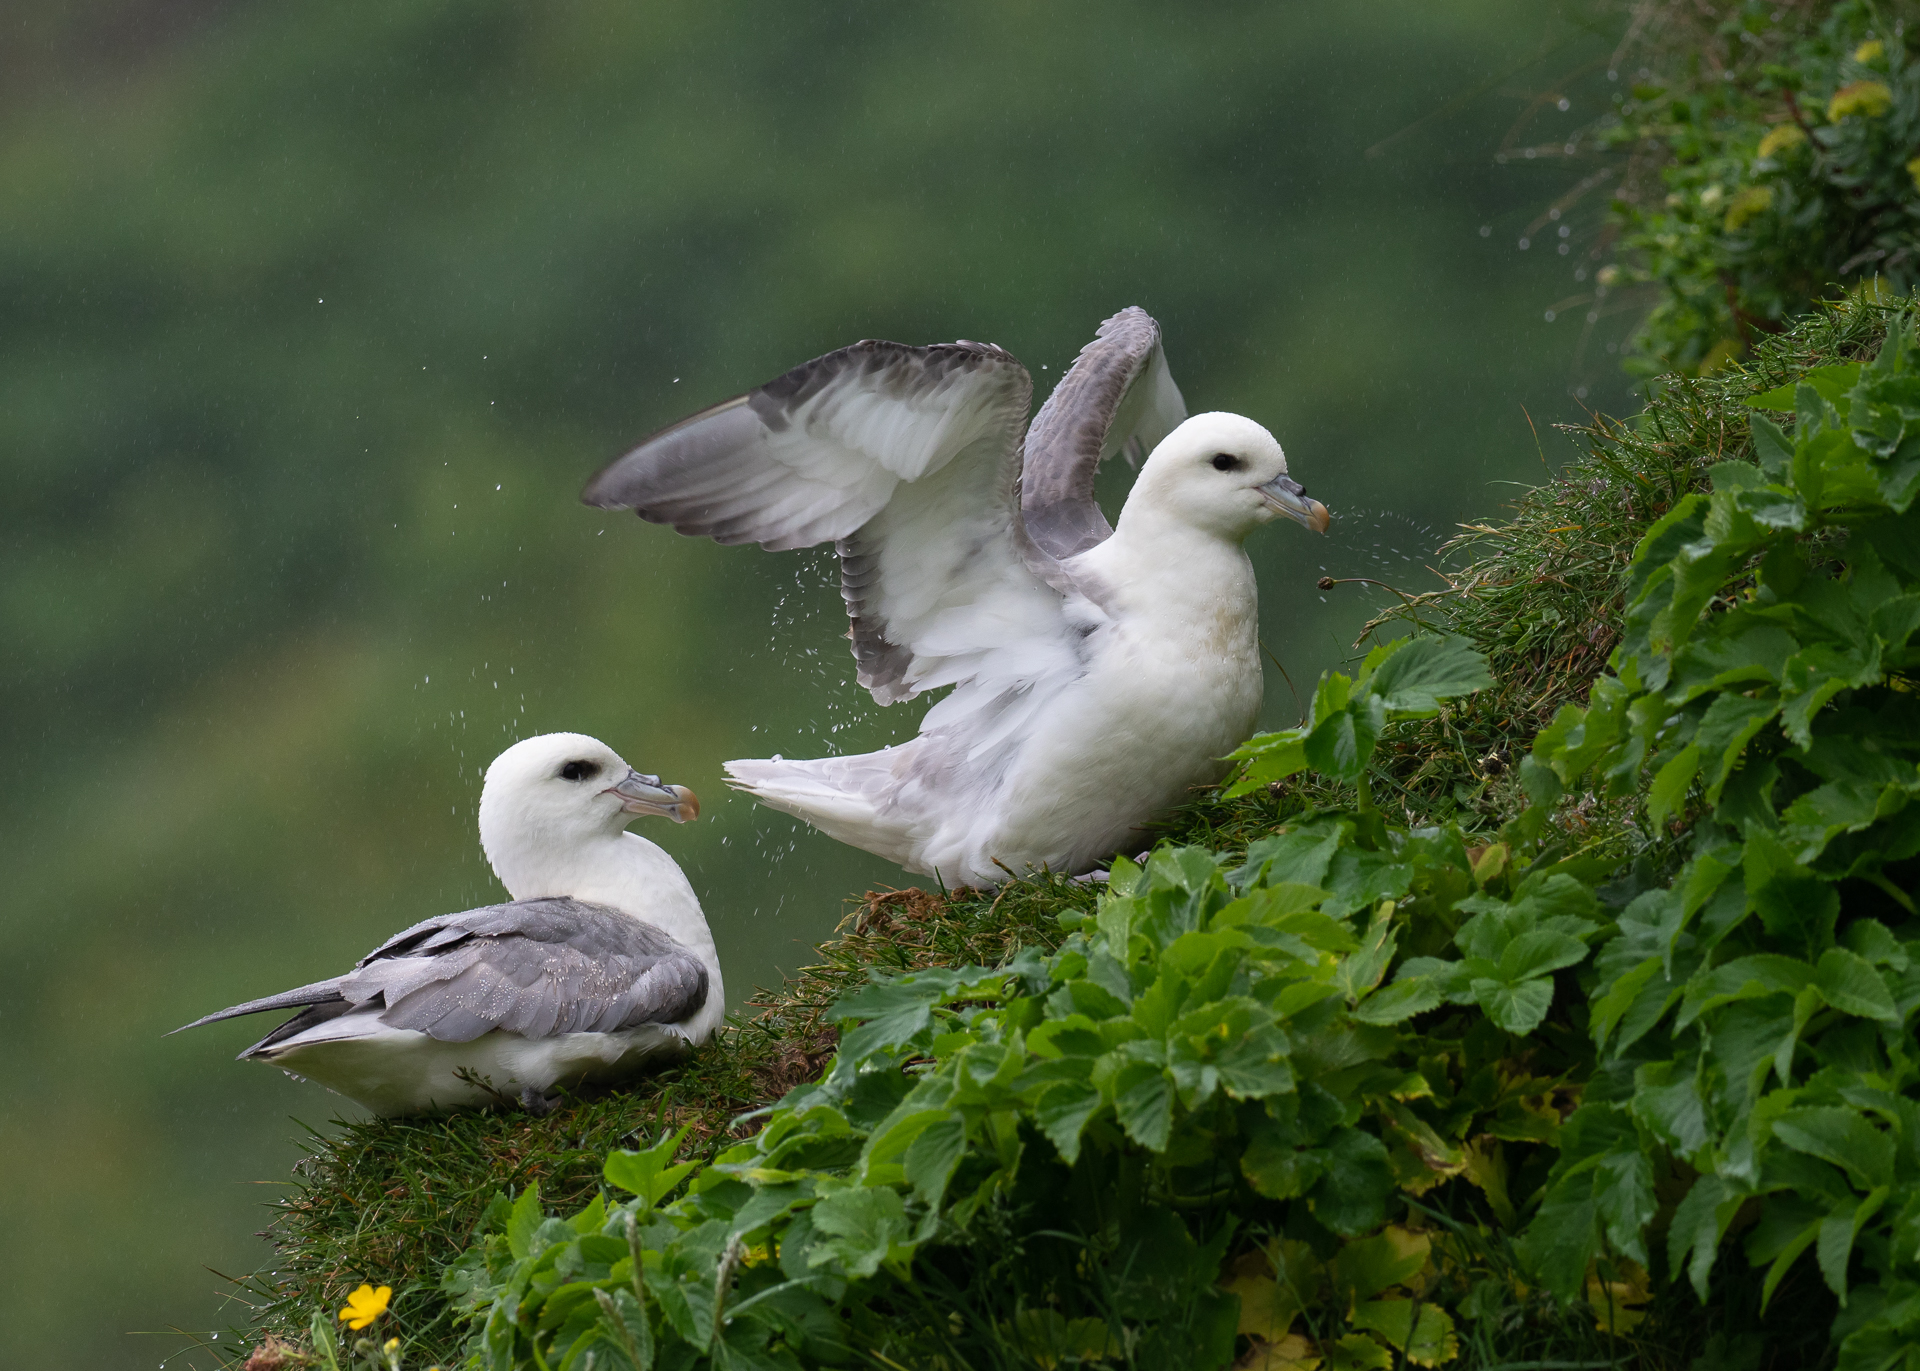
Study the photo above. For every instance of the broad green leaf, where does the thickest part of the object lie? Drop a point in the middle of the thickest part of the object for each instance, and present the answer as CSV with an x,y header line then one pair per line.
x,y
1842,1136
1366,1266
1143,1103
1356,1352
1518,1009
1415,675
933,1155
1398,1002
524,1221
1848,982
1351,1195
1538,953
1300,857
1698,1225
861,1224
650,1174
1764,973
1062,1112
1427,1341
1560,1242
1667,1100
1731,722
1668,792
1837,1232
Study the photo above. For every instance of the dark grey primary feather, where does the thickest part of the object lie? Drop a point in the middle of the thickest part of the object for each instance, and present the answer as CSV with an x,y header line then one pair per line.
x,y
531,967
1117,394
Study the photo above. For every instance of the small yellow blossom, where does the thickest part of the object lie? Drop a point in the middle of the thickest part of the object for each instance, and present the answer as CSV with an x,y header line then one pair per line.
x,y
1749,202
1868,98
390,1344
1869,51
1913,170
365,1305
1781,138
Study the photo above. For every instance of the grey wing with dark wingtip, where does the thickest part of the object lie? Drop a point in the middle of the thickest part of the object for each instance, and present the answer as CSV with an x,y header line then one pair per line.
x,y
1118,395
532,967
907,459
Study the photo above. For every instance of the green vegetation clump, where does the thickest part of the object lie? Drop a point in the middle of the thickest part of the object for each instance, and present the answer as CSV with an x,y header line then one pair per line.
x,y
1358,1070
1770,159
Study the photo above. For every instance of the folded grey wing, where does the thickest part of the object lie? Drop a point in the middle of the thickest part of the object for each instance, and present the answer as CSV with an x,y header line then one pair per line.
x,y
1118,395
319,993
533,967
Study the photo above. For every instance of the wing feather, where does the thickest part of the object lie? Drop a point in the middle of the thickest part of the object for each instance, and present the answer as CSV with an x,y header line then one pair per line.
x,y
1118,395
907,459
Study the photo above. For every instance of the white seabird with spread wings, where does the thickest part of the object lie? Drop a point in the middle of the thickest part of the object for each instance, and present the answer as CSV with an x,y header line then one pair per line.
x,y
601,965
1099,672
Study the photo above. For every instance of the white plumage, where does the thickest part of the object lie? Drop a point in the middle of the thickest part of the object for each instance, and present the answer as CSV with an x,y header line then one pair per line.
x,y
600,965
1098,673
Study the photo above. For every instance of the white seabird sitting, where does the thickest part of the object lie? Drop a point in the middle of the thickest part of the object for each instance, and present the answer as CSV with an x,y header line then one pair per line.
x,y
1098,672
601,964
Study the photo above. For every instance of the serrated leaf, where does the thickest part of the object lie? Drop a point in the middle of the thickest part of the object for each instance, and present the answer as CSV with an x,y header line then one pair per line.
x,y
861,1224
1366,1266
1143,1103
933,1155
1843,1137
1698,1225
1417,674
524,1221
1427,1341
1518,1009
1350,1196
1848,982
651,1173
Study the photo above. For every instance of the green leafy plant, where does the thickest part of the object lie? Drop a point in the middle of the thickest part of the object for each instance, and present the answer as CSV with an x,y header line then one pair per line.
x,y
1771,160
1753,1012
1201,1125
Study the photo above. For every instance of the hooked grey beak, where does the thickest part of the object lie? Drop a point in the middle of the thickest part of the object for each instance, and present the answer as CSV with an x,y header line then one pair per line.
x,y
649,795
1284,495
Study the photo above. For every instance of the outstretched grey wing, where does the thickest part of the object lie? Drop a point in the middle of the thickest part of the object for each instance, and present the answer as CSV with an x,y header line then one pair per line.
x,y
1118,395
905,457
532,967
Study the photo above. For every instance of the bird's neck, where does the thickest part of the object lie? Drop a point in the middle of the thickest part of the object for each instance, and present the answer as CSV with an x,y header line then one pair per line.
x,y
623,870
1166,567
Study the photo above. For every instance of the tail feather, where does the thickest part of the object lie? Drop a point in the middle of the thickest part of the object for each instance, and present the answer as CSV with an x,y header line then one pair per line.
x,y
320,992
840,796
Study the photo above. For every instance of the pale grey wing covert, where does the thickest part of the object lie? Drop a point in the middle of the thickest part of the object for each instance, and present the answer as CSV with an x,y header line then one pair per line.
x,y
907,458
532,967
1118,395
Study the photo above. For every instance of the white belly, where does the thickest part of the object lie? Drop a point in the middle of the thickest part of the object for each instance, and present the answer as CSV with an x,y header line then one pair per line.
x,y
401,1071
1150,720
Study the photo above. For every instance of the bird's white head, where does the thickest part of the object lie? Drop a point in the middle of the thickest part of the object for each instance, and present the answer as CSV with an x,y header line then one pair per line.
x,y
1223,474
547,798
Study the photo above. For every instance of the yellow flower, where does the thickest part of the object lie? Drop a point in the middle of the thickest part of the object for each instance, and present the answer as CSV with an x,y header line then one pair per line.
x,y
1869,51
1869,98
390,1344
1913,170
365,1305
1779,139
1749,202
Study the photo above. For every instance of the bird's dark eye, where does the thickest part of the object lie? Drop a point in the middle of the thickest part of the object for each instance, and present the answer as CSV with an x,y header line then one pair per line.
x,y
579,771
1225,461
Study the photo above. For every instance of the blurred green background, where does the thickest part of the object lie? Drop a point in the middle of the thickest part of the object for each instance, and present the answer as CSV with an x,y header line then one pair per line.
x,y
315,317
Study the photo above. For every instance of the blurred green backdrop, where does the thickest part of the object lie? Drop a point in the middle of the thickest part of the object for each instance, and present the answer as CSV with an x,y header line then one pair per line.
x,y
314,318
